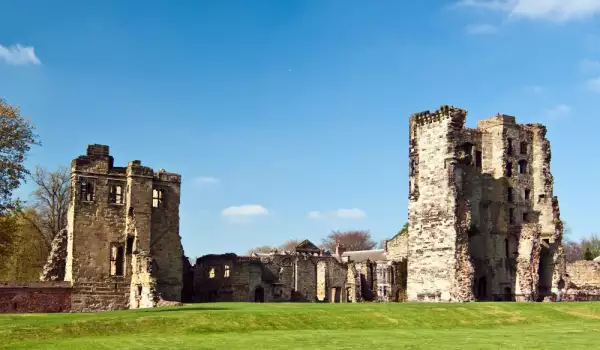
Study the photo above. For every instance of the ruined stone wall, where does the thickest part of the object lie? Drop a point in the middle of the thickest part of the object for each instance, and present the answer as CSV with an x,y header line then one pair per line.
x,y
35,297
95,226
212,283
481,209
165,242
397,247
584,273
306,278
123,250
54,269
432,205
321,280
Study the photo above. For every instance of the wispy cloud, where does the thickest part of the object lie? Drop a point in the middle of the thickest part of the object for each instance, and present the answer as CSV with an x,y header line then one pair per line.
x,y
558,111
481,29
353,213
589,66
535,89
206,180
244,213
593,85
552,10
19,55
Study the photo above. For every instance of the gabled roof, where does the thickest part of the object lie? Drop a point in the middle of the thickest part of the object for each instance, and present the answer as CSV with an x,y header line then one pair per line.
x,y
307,245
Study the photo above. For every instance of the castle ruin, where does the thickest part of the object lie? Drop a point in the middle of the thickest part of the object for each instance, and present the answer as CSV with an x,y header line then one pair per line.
x,y
483,225
483,221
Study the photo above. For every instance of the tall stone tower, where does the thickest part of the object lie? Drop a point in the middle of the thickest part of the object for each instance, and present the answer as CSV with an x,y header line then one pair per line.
x,y
124,248
483,221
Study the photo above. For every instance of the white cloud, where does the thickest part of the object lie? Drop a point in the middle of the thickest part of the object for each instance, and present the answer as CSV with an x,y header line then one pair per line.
x,y
535,89
353,213
590,65
593,85
558,111
315,214
206,180
553,10
480,29
244,212
19,55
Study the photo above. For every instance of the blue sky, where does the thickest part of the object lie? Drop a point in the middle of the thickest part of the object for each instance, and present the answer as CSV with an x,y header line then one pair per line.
x,y
295,113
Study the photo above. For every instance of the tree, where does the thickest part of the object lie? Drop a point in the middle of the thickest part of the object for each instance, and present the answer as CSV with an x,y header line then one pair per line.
x,y
9,227
27,253
573,251
351,240
587,255
591,246
16,139
50,201
290,245
261,249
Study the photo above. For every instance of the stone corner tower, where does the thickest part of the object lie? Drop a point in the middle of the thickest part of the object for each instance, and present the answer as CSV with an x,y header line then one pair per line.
x,y
483,221
124,248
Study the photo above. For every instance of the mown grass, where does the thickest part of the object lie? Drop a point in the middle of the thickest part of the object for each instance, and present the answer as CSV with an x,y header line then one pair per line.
x,y
314,326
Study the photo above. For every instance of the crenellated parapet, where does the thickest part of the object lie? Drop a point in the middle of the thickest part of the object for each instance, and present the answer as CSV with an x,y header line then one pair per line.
x,y
444,112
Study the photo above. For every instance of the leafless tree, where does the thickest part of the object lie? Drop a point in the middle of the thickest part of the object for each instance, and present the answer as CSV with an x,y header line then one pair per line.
x,y
351,240
50,201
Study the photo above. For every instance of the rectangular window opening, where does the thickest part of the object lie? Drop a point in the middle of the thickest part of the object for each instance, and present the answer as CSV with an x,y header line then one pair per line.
x,y
226,274
115,194
508,171
86,190
527,193
509,192
478,159
157,198
511,216
130,245
509,149
117,260
525,217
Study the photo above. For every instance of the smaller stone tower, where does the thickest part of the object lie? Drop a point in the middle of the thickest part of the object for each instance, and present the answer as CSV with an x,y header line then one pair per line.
x,y
124,248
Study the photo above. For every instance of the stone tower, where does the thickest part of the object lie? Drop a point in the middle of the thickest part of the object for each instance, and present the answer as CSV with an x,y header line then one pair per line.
x,y
483,221
124,248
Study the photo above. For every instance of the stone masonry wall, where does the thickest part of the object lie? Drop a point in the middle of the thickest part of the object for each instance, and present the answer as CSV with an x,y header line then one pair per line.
x,y
478,198
35,297
397,247
582,273
54,269
165,242
432,206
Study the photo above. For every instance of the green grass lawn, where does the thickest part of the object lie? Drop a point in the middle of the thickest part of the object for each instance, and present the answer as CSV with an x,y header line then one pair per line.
x,y
314,326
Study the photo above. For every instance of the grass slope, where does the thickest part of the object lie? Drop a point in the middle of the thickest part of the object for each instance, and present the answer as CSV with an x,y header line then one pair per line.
x,y
314,326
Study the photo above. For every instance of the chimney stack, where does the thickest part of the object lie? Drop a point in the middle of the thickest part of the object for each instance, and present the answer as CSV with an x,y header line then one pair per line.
x,y
339,249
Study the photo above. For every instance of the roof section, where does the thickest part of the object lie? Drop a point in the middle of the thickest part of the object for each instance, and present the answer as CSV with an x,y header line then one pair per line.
x,y
307,246
364,255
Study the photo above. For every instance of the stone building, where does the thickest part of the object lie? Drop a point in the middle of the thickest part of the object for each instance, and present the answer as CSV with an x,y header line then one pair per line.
x,y
122,247
307,274
483,221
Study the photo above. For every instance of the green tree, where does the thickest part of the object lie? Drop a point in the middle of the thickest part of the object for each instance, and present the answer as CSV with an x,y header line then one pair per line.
x,y
591,246
587,255
16,139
